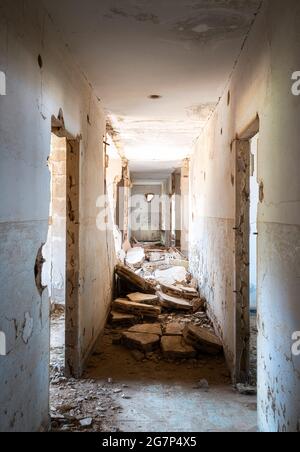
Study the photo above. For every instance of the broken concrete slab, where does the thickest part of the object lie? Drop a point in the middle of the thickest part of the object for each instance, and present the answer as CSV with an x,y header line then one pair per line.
x,y
136,308
173,303
135,257
156,256
171,276
198,304
122,319
147,328
202,339
141,341
174,347
174,329
87,422
135,280
180,291
139,297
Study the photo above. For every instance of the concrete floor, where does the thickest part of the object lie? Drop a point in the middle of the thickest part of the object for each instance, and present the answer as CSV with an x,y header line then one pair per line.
x,y
153,396
163,396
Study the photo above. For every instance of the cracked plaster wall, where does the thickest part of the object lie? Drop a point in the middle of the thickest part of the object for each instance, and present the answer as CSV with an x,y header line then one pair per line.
x,y
36,89
261,84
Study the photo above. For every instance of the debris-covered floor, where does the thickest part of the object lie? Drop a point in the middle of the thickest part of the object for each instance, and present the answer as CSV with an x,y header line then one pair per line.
x,y
159,367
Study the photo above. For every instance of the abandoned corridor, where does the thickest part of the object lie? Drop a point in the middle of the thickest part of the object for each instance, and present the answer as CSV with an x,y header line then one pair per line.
x,y
150,220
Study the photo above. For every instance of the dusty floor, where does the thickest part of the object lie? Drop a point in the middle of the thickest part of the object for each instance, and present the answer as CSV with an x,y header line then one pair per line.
x,y
120,393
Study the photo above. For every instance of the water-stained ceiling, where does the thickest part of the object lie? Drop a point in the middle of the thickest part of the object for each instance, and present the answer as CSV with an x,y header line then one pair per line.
x,y
159,66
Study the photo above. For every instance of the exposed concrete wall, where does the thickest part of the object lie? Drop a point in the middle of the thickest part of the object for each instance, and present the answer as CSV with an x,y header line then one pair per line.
x,y
36,89
261,84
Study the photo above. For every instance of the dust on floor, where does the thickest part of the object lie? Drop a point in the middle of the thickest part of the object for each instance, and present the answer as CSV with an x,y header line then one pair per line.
x,y
119,393
163,374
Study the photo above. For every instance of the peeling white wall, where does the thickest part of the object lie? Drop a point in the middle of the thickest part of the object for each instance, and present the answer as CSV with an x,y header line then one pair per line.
x,y
261,84
33,94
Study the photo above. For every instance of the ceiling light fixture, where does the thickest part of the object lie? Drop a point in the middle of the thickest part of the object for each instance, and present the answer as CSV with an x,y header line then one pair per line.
x,y
155,97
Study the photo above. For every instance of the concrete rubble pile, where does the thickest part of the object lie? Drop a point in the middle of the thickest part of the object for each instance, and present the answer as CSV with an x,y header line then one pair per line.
x,y
159,312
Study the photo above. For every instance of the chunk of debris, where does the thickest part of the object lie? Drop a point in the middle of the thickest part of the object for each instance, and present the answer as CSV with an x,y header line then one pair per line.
x,y
141,341
174,329
244,389
174,347
203,384
139,297
136,308
122,319
87,422
180,291
147,328
132,278
135,257
198,304
171,276
173,303
203,340
156,256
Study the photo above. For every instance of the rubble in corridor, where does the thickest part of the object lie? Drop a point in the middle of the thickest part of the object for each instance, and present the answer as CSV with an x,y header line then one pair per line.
x,y
150,324
159,312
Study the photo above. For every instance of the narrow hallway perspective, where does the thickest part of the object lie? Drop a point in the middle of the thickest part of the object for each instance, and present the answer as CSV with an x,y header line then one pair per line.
x,y
149,218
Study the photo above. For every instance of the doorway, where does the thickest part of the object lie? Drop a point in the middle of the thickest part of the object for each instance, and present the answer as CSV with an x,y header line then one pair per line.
x,y
61,252
254,200
246,238
55,252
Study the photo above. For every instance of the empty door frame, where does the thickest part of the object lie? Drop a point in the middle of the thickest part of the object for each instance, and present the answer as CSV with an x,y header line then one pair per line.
x,y
72,360
242,252
72,366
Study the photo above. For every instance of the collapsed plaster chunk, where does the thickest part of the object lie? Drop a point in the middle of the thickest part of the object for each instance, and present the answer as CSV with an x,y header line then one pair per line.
x,y
174,303
203,340
144,342
174,347
142,298
27,328
174,329
119,318
2,84
130,307
2,344
152,328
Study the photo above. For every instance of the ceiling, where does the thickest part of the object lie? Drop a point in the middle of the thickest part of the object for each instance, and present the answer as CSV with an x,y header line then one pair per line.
x,y
181,50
